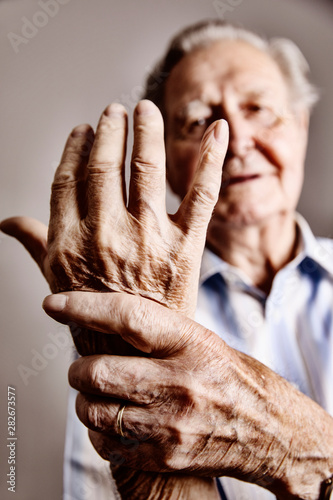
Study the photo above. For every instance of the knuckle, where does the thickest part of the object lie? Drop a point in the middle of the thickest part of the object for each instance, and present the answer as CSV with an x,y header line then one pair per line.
x,y
147,167
99,166
204,194
107,257
98,375
101,240
59,254
96,416
138,380
106,129
93,414
63,262
63,177
210,156
136,318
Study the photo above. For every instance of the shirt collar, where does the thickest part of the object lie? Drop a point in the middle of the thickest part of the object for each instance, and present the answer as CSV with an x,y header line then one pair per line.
x,y
320,250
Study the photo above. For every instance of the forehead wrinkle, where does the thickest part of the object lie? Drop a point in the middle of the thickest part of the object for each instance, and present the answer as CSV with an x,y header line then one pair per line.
x,y
258,93
206,101
203,81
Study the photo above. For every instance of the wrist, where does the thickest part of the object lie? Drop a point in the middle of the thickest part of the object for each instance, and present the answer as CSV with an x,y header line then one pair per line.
x,y
296,436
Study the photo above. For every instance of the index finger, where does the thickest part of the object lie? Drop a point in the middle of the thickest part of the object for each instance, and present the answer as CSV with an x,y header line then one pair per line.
x,y
147,185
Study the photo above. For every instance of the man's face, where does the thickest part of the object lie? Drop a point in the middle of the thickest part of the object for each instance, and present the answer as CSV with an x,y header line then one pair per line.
x,y
263,170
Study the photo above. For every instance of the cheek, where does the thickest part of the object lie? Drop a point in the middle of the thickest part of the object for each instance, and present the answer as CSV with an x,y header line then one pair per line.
x,y
182,160
287,154
285,149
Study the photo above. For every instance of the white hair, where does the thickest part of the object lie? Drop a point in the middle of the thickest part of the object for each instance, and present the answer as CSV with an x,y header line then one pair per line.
x,y
284,52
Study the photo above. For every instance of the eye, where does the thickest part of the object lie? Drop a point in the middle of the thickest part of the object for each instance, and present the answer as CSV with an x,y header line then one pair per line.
x,y
261,114
194,128
192,125
198,124
255,108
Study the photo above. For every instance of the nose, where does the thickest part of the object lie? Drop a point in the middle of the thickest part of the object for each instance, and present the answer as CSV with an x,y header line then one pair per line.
x,y
241,135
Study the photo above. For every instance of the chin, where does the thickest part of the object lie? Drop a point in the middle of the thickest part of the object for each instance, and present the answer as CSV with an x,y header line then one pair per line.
x,y
245,216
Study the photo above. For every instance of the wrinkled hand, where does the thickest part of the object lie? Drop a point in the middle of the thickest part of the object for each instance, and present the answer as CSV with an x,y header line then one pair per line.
x,y
193,404
97,241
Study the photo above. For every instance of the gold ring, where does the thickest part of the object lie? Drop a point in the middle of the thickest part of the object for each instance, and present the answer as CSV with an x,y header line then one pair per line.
x,y
120,421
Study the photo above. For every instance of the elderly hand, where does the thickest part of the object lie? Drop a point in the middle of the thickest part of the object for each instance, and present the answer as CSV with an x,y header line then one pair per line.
x,y
193,404
97,242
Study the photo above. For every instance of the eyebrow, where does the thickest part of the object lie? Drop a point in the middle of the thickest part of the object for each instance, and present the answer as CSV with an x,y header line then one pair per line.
x,y
186,110
255,94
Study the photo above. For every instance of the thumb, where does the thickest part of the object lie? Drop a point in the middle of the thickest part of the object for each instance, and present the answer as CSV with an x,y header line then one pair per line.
x,y
31,233
147,325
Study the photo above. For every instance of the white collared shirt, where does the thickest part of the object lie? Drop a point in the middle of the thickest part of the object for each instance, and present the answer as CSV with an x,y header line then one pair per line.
x,y
290,330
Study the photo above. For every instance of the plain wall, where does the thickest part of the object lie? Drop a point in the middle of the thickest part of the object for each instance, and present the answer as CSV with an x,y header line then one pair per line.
x,y
89,54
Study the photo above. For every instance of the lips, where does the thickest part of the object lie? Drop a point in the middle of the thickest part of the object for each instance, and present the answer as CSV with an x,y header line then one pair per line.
x,y
239,179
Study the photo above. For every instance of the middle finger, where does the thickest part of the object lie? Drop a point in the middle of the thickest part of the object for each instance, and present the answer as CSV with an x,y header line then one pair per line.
x,y
147,185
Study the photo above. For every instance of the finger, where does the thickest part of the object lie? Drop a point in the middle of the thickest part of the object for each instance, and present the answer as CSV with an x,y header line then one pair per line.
x,y
105,182
196,209
119,451
100,415
132,452
68,197
31,233
120,377
148,326
147,185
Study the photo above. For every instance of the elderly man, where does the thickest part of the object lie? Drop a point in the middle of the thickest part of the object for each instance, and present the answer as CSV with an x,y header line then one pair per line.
x,y
251,402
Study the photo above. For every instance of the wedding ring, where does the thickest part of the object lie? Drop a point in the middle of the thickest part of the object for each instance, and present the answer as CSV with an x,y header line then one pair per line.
x,y
120,421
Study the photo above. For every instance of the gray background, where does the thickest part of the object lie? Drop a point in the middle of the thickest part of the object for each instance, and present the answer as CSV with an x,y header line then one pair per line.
x,y
87,55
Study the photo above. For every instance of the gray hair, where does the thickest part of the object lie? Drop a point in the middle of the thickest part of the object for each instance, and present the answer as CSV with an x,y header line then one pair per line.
x,y
284,52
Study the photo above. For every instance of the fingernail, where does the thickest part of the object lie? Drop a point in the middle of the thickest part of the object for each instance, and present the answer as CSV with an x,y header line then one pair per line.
x,y
145,108
115,109
221,131
55,303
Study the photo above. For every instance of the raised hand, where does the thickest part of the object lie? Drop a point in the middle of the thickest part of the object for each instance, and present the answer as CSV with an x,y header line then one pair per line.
x,y
98,242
